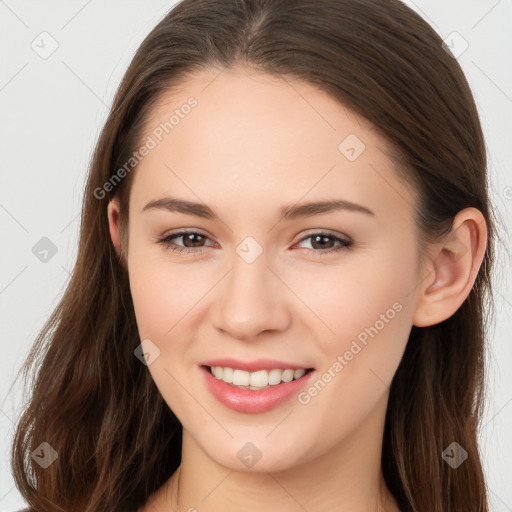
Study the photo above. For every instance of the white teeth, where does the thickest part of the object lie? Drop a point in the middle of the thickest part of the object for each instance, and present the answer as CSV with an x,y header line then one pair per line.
x,y
287,375
227,375
256,380
274,376
297,374
240,377
259,379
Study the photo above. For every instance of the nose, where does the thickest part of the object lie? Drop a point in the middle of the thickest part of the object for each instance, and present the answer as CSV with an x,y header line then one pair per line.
x,y
252,300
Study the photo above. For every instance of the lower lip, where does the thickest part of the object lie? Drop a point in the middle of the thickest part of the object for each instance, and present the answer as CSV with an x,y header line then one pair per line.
x,y
253,401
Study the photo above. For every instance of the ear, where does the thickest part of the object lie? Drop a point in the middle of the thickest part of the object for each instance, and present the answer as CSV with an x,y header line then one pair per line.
x,y
452,270
113,214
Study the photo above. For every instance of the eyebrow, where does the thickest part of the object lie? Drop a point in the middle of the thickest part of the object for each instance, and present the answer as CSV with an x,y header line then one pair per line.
x,y
288,212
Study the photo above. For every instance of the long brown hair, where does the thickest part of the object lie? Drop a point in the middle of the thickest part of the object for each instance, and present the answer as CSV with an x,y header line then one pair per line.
x,y
94,402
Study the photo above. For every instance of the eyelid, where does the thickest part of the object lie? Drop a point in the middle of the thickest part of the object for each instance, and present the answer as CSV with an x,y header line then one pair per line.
x,y
344,242
317,231
185,231
324,232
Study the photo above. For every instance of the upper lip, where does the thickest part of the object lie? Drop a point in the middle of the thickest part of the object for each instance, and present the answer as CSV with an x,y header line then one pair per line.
x,y
254,365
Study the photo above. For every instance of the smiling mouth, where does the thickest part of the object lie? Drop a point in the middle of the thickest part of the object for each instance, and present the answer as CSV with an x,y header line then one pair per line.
x,y
260,379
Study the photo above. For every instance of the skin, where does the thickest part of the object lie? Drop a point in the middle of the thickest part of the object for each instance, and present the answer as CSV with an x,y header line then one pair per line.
x,y
253,144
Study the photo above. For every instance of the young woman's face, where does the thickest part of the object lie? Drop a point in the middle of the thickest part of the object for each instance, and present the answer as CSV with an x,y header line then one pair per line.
x,y
264,279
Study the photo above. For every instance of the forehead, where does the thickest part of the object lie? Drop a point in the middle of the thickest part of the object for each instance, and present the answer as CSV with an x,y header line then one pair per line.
x,y
249,99
253,135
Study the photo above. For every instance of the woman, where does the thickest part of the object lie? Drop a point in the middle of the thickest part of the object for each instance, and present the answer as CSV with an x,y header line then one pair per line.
x,y
278,298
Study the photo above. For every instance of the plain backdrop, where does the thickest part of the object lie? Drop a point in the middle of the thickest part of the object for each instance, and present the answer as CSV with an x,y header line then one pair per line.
x,y
53,106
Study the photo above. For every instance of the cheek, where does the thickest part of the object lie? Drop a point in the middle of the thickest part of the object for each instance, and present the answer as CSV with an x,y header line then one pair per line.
x,y
369,312
162,291
350,298
162,296
152,301
367,309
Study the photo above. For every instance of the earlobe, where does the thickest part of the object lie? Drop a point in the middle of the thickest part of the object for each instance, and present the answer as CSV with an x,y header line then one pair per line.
x,y
453,269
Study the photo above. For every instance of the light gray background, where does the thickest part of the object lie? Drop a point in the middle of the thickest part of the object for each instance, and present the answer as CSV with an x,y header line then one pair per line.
x,y
52,110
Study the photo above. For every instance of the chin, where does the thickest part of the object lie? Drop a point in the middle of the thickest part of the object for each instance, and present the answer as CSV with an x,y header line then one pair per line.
x,y
255,456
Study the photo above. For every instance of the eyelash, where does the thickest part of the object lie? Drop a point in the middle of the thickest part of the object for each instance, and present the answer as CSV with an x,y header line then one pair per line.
x,y
170,246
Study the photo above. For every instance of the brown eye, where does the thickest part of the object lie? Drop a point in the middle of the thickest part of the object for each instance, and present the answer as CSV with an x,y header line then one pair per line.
x,y
321,245
192,241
